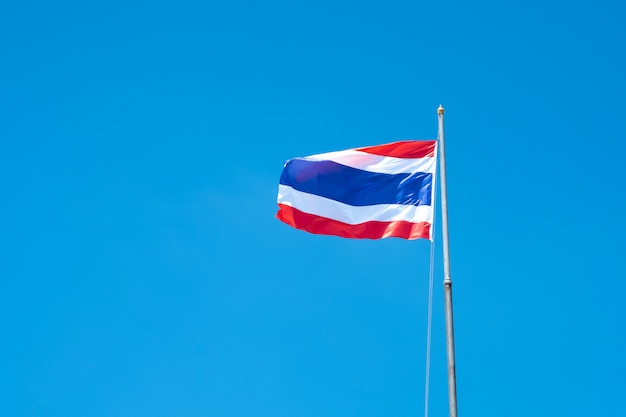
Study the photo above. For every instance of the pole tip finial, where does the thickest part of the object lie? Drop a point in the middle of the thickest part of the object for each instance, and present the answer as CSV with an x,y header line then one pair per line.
x,y
440,109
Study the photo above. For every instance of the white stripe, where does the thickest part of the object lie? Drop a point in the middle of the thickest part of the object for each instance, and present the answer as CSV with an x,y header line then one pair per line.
x,y
376,163
325,207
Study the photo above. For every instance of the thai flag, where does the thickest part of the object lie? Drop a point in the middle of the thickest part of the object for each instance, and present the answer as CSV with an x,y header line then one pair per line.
x,y
364,193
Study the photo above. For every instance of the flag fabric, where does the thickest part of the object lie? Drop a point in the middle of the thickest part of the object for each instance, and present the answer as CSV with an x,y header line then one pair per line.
x,y
364,193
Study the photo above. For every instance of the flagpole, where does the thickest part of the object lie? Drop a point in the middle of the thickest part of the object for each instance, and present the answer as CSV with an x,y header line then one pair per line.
x,y
447,281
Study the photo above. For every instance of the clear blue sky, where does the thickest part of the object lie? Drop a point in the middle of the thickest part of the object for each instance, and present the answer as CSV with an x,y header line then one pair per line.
x,y
144,274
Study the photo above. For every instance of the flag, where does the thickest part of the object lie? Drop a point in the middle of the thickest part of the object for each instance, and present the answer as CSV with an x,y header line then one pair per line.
x,y
364,193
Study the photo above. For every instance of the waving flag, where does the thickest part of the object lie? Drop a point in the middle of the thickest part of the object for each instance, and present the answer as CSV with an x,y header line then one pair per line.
x,y
364,193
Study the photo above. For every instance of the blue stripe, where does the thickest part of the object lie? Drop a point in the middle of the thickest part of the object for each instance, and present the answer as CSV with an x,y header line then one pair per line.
x,y
357,187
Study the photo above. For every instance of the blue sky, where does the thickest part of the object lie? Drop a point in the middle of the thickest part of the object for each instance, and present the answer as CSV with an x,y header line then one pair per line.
x,y
144,274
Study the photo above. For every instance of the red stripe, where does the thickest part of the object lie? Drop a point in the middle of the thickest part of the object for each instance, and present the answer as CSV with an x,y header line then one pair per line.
x,y
404,149
368,230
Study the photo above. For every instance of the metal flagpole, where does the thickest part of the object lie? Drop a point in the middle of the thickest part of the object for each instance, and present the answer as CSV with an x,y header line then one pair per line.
x,y
447,281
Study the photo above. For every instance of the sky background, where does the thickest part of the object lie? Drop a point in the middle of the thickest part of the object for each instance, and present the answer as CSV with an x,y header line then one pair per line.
x,y
144,274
